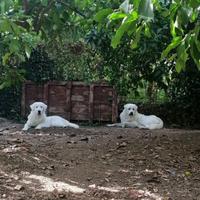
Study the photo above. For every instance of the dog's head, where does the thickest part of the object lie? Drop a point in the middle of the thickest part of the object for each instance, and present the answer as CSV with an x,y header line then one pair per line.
x,y
130,109
38,108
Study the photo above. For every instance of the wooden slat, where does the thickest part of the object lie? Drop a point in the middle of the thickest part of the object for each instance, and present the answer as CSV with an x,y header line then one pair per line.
x,y
114,106
23,100
68,99
91,103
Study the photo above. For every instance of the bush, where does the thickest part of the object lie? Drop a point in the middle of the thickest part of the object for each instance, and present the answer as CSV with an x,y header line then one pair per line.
x,y
40,68
10,102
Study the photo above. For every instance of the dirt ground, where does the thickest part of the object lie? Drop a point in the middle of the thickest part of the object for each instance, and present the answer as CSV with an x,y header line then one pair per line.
x,y
99,163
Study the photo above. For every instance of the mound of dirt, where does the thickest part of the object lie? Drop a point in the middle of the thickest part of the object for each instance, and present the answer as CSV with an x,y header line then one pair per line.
x,y
99,164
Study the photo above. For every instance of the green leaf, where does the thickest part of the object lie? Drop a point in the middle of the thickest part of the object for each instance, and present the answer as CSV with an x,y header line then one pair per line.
x,y
136,4
44,2
5,58
146,9
135,41
27,51
147,31
15,28
195,53
116,15
2,5
119,33
175,42
14,46
182,57
101,15
5,25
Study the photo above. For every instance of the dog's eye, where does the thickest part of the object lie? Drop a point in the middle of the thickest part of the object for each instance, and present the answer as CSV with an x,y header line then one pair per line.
x,y
36,106
129,108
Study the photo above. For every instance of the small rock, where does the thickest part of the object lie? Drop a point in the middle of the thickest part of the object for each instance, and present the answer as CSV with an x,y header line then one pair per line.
x,y
73,135
89,179
51,167
84,139
4,195
108,155
66,165
107,180
123,144
61,195
71,142
18,187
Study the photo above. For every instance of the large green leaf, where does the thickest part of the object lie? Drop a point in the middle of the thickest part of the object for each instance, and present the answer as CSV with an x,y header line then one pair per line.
x,y
135,41
175,42
101,15
119,33
195,53
145,9
126,26
182,57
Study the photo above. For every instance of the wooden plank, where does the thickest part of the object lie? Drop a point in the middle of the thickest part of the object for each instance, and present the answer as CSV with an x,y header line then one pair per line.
x,y
91,103
23,100
68,99
114,106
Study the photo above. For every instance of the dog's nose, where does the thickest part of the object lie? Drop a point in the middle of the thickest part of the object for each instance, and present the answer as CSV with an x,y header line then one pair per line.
x,y
39,112
131,113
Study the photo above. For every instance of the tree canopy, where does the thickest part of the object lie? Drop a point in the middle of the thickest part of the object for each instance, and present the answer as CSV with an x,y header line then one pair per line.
x,y
26,23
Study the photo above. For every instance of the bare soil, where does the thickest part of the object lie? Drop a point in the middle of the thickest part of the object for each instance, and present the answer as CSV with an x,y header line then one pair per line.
x,y
99,163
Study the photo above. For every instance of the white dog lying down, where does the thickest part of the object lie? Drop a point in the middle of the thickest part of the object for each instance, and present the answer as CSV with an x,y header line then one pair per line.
x,y
131,118
38,119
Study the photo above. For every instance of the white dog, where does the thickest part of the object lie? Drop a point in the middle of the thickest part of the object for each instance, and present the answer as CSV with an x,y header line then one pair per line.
x,y
38,119
130,117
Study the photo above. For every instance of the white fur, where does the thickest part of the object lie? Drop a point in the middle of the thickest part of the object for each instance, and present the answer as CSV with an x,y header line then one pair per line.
x,y
130,117
38,119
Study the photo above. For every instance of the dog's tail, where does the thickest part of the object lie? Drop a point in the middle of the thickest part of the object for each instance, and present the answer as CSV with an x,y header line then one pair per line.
x,y
72,125
115,125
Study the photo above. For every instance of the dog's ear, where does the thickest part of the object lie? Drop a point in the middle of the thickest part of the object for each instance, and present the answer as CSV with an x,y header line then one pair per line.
x,y
32,106
125,106
44,106
136,107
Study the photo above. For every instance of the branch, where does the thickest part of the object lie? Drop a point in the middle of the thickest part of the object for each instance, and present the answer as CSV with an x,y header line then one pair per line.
x,y
72,8
41,15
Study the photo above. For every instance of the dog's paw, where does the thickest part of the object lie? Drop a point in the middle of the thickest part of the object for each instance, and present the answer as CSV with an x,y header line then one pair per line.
x,y
76,126
38,127
110,125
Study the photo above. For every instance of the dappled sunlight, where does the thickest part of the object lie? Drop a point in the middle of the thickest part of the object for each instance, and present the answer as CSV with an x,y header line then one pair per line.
x,y
49,185
132,192
46,184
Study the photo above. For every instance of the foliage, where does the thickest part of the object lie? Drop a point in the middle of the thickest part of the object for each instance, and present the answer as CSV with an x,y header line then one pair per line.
x,y
137,18
127,68
40,68
75,60
10,102
24,24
